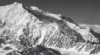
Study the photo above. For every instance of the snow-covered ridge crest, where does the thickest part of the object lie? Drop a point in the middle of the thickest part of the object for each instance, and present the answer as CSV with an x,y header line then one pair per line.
x,y
37,27
46,13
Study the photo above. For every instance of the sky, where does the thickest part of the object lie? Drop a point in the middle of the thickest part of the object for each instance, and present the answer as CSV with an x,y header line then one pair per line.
x,y
81,11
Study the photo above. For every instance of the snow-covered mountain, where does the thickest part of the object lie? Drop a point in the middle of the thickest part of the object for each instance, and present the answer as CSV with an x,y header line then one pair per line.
x,y
23,28
95,27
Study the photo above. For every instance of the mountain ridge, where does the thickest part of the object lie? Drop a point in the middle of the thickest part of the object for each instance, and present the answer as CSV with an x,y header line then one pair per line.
x,y
24,27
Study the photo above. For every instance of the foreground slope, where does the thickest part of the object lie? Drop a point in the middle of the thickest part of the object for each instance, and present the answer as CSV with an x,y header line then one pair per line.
x,y
25,27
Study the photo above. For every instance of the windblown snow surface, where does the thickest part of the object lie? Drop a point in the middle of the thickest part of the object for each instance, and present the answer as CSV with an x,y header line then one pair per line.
x,y
32,31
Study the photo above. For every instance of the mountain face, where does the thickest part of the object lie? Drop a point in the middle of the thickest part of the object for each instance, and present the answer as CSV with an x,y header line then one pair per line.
x,y
26,30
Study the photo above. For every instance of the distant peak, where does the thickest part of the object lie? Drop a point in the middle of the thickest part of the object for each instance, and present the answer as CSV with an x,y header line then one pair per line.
x,y
16,3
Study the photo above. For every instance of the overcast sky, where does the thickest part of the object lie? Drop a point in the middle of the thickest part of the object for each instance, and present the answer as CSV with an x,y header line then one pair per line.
x,y
81,11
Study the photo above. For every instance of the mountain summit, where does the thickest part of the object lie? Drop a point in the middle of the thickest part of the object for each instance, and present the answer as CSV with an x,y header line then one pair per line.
x,y
24,28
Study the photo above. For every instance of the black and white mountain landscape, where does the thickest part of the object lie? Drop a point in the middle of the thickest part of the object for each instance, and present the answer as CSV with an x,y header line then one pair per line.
x,y
31,31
